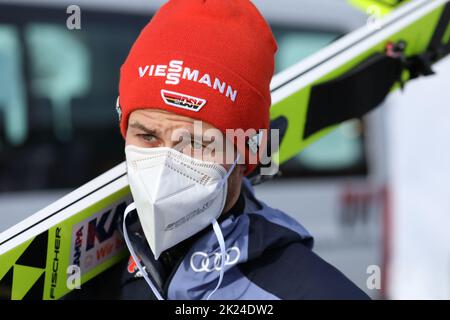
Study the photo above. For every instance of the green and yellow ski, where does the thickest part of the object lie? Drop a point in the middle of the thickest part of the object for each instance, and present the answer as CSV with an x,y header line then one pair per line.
x,y
352,76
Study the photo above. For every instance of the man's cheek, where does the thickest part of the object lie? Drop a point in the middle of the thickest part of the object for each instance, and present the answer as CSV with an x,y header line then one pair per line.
x,y
128,140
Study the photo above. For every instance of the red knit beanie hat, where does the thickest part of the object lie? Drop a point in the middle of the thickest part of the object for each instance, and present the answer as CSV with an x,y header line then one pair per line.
x,y
210,60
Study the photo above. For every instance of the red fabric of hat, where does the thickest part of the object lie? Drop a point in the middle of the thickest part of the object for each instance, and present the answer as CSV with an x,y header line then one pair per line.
x,y
210,60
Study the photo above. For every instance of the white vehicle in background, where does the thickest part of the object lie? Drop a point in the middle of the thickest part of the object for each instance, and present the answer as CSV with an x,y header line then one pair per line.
x,y
58,127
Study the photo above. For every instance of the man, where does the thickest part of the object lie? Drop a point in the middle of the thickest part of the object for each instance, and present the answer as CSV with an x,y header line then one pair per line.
x,y
198,68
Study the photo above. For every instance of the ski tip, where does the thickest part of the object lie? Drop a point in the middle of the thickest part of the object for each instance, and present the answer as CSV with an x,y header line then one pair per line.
x,y
379,8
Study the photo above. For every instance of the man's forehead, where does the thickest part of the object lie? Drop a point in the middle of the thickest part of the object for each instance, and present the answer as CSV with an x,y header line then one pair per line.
x,y
151,113
164,120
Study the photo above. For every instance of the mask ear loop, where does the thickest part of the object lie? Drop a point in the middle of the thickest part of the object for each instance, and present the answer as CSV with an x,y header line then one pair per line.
x,y
220,238
155,291
229,172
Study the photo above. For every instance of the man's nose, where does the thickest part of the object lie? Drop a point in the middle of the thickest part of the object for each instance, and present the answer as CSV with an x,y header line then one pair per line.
x,y
174,142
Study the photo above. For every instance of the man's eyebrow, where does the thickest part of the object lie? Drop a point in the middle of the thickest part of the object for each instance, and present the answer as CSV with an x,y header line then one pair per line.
x,y
190,132
139,126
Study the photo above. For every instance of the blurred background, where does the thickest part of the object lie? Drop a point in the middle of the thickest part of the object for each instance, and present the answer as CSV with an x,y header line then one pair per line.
x,y
375,193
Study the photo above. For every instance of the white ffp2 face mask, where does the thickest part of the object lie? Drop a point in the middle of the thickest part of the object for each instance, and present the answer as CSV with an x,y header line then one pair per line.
x,y
175,195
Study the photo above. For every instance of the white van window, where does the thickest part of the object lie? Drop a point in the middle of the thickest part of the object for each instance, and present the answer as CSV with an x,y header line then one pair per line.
x,y
60,72
294,46
13,118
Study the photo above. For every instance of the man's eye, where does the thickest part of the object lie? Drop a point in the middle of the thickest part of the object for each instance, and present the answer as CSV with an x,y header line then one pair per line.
x,y
147,137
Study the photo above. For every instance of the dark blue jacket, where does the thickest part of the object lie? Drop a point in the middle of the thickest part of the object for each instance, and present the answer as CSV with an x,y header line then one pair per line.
x,y
269,256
